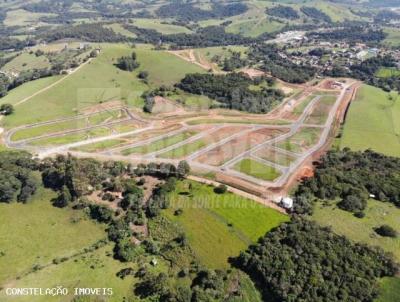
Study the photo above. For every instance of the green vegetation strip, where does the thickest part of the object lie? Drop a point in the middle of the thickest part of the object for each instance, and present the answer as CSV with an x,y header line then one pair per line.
x,y
160,144
256,169
184,150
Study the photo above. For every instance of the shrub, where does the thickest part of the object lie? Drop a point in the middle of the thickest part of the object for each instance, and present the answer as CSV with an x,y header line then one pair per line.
x,y
386,231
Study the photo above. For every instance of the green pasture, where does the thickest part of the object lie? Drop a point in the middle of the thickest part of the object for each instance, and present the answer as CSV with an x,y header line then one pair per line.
x,y
373,121
361,230
35,233
388,72
257,169
161,27
26,61
219,225
389,289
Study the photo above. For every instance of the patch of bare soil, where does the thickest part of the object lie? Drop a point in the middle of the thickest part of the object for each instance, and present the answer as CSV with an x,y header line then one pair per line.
x,y
101,107
236,146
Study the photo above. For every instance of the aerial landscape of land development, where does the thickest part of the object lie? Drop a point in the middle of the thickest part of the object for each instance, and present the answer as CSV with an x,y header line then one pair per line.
x,y
200,150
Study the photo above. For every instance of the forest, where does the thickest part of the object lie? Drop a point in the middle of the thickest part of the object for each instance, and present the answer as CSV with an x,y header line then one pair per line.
x,y
279,66
285,12
85,32
351,33
315,14
301,261
351,177
203,37
232,90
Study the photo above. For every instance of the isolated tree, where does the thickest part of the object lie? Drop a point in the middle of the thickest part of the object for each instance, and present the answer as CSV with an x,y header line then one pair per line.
x,y
386,231
183,169
221,189
63,199
6,109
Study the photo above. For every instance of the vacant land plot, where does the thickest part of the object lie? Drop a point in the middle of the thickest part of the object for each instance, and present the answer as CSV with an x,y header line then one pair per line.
x,y
257,169
274,156
304,139
236,146
160,144
361,230
118,28
241,120
211,138
320,112
373,121
83,122
72,138
219,226
25,225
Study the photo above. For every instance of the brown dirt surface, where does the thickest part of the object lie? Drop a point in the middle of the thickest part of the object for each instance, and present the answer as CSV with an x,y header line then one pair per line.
x,y
101,107
252,72
163,105
236,146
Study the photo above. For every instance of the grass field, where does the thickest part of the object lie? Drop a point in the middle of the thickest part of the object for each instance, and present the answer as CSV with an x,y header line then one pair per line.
x,y
100,81
166,29
27,89
219,226
301,140
376,214
160,144
257,169
117,28
184,150
390,290
26,61
93,120
379,127
393,37
37,232
164,68
236,121
388,72
255,27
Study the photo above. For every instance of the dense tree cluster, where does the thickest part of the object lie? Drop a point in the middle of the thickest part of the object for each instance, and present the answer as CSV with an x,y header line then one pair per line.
x,y
280,66
17,176
203,37
285,12
188,12
350,33
85,32
232,91
7,43
315,14
128,63
301,261
234,61
352,177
